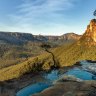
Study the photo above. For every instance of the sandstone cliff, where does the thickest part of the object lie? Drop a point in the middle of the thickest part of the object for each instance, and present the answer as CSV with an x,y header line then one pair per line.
x,y
89,37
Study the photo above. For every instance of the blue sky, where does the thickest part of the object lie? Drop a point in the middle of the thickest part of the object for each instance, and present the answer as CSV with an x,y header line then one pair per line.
x,y
46,17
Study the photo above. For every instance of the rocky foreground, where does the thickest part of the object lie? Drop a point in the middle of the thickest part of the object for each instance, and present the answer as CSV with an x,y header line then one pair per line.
x,y
11,87
70,86
67,85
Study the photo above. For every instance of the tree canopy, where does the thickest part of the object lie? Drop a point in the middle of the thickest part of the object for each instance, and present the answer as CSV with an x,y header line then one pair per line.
x,y
94,13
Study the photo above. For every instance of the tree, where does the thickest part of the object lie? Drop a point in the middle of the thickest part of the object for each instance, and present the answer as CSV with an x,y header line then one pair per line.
x,y
94,13
45,46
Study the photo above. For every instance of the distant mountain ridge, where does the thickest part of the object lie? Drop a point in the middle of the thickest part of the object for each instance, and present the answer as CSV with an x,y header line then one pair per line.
x,y
15,38
65,55
67,36
21,38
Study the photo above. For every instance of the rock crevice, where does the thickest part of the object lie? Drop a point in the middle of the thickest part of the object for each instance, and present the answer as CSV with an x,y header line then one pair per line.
x,y
55,64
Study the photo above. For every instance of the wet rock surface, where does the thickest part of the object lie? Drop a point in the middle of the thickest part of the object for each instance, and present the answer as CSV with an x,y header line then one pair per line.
x,y
70,88
66,85
11,87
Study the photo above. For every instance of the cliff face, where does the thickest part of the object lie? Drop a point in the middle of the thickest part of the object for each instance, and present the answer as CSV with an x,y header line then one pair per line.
x,y
21,38
89,37
65,37
15,38
70,36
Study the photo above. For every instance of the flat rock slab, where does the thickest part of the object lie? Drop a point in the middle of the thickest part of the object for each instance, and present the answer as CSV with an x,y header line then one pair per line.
x,y
70,88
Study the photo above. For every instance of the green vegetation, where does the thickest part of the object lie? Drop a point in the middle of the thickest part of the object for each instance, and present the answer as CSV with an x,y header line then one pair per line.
x,y
34,57
65,55
29,66
15,54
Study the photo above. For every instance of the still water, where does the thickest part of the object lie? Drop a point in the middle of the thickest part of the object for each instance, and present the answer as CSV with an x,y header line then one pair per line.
x,y
54,75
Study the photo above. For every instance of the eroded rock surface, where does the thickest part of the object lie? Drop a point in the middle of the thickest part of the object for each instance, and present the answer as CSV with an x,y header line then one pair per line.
x,y
70,88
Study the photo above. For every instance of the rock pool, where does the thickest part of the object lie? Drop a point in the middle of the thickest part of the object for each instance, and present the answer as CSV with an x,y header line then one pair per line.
x,y
85,72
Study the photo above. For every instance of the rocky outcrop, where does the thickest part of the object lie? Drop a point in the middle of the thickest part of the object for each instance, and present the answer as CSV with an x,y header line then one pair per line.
x,y
70,36
11,87
70,88
21,38
69,78
15,38
89,37
64,37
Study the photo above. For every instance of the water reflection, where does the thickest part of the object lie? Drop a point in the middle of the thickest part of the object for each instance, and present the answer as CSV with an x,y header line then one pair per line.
x,y
34,88
80,74
85,72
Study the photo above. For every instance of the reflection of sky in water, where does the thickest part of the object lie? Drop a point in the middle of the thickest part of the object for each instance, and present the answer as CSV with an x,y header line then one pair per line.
x,y
89,66
54,75
38,87
34,88
80,74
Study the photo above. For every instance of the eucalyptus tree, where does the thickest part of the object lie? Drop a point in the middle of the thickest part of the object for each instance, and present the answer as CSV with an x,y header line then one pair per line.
x,y
94,13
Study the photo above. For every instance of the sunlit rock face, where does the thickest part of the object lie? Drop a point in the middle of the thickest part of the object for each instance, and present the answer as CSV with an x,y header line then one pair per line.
x,y
91,30
89,37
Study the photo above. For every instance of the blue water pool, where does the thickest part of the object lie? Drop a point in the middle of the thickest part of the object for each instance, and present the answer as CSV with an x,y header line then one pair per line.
x,y
80,74
34,88
54,75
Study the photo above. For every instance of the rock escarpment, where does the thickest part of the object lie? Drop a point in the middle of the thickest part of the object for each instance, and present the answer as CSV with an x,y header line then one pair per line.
x,y
89,37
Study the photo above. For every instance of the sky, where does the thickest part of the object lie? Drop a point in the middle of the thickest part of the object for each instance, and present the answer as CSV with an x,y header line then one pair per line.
x,y
46,17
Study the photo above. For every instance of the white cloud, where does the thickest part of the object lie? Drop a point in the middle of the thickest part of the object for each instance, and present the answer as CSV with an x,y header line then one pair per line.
x,y
37,16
